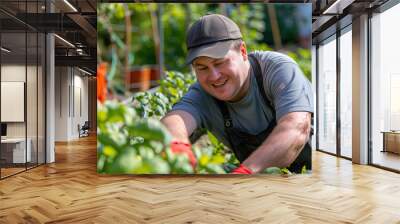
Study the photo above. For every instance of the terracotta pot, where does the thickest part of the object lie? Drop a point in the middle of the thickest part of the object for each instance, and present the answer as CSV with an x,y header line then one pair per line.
x,y
154,76
143,78
139,79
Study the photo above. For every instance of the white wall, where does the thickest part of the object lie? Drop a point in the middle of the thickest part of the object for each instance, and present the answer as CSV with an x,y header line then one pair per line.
x,y
71,94
61,103
80,110
12,73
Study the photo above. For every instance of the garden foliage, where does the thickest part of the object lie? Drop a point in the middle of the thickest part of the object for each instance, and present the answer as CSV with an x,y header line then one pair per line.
x,y
133,141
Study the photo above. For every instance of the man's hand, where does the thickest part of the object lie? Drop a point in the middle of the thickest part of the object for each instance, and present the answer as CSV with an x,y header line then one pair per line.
x,y
178,147
242,169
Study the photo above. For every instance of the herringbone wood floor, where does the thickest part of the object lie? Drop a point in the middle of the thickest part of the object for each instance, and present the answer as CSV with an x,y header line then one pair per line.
x,y
70,191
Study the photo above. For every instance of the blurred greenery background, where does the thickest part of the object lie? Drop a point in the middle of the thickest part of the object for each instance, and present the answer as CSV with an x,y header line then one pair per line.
x,y
136,35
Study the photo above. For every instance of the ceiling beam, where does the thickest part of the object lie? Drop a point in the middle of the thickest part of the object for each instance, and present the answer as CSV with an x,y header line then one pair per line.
x,y
337,7
89,30
81,61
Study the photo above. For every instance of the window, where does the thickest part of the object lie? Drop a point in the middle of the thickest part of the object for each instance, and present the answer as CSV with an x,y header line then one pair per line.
x,y
346,92
22,77
327,95
385,85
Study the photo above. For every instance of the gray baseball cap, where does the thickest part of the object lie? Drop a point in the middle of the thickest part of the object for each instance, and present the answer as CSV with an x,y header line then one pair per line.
x,y
212,36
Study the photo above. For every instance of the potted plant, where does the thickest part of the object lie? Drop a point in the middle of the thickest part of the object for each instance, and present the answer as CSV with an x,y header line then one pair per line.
x,y
138,79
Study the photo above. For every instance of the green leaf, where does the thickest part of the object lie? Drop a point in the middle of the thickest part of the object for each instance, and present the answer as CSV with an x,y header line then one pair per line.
x,y
112,140
151,130
304,170
272,170
229,167
181,165
204,159
217,159
114,63
117,40
285,171
125,163
109,151
100,163
214,141
214,169
119,11
156,146
159,166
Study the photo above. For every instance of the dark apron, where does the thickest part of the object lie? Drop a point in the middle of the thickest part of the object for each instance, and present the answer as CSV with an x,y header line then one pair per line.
x,y
243,144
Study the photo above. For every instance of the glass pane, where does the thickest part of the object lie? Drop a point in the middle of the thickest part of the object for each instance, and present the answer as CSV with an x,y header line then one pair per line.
x,y
15,151
32,83
346,94
386,89
327,96
22,79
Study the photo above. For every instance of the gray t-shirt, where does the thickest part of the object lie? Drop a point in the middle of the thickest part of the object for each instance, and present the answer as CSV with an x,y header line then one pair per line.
x,y
285,86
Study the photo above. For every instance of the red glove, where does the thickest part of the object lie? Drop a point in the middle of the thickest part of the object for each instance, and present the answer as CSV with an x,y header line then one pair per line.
x,y
184,148
242,169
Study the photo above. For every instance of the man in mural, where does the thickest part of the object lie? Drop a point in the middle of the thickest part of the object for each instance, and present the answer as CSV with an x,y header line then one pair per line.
x,y
260,104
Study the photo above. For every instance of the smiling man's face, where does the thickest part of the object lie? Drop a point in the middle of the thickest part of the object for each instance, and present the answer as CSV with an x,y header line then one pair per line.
x,y
224,78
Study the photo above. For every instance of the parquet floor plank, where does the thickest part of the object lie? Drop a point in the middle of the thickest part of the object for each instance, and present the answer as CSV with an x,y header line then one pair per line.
x,y
70,191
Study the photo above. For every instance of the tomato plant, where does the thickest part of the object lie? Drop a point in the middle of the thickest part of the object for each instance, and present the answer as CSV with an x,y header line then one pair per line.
x,y
172,88
129,144
175,85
